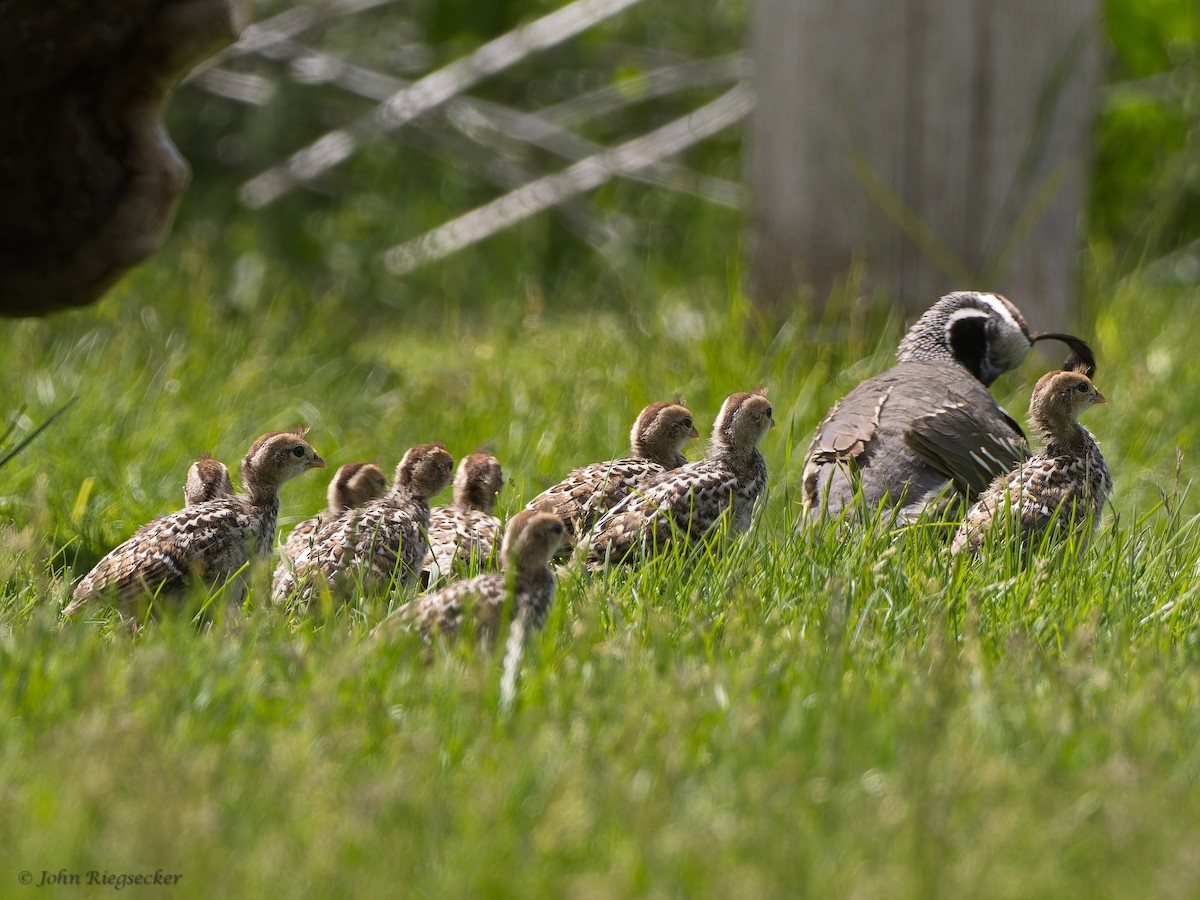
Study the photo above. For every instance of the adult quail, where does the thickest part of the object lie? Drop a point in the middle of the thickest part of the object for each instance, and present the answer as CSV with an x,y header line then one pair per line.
x,y
1065,483
207,479
910,437
352,485
374,545
468,528
530,541
656,445
212,540
689,500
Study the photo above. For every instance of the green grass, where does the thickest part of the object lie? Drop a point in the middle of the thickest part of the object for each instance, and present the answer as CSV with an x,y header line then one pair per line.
x,y
812,713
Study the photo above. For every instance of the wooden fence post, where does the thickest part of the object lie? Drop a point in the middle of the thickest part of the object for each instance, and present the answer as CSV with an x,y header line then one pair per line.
x,y
941,144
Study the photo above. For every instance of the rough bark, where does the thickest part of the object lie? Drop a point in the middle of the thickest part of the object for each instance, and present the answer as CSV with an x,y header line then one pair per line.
x,y
89,176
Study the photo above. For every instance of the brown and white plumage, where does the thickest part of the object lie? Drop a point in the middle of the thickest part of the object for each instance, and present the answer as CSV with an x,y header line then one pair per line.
x,y
689,500
352,485
1066,482
468,528
207,479
530,541
210,541
656,446
374,545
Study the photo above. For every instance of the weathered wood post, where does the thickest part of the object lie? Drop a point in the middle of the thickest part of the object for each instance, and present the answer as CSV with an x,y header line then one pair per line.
x,y
941,144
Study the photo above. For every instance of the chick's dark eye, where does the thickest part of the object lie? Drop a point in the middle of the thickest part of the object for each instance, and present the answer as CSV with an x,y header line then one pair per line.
x,y
1081,387
686,423
297,452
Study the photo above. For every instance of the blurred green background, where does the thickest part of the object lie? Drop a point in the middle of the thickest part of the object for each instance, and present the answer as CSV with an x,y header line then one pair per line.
x,y
330,235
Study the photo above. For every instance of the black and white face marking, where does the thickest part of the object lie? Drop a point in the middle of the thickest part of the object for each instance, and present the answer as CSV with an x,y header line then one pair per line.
x,y
988,336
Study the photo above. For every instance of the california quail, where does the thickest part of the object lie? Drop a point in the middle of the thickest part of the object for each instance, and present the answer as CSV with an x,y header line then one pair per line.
x,y
212,540
692,498
656,444
1066,482
207,479
468,528
530,541
374,545
353,485
904,437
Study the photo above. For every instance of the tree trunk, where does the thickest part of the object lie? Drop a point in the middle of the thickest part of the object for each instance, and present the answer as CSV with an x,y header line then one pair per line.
x,y
89,176
938,144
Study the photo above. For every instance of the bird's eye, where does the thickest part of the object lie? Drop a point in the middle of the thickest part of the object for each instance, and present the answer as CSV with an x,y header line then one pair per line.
x,y
1082,387
686,423
768,412
297,452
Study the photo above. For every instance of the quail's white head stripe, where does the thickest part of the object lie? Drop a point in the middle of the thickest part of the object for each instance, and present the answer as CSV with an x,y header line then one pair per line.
x,y
968,312
1001,309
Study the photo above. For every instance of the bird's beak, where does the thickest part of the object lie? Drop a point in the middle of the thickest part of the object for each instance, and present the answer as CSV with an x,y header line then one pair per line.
x,y
1099,398
316,462
695,433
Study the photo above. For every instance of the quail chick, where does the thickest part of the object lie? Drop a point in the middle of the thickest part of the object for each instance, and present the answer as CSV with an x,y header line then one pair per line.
x,y
1066,482
530,541
689,500
207,479
353,485
656,446
929,424
212,540
375,544
468,528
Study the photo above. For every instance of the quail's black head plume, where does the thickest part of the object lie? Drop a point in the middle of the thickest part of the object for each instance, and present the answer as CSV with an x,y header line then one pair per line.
x,y
928,427
1081,359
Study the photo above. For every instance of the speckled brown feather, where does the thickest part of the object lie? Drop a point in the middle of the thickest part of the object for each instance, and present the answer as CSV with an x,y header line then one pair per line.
x,y
352,485
1065,483
530,541
689,500
376,545
656,443
207,479
468,529
210,541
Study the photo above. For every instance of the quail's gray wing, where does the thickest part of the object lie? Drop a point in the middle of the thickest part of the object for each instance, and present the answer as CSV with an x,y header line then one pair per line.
x,y
969,443
848,429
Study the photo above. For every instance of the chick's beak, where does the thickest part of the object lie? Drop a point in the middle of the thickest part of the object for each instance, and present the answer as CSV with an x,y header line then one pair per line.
x,y
694,432
1099,398
316,462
